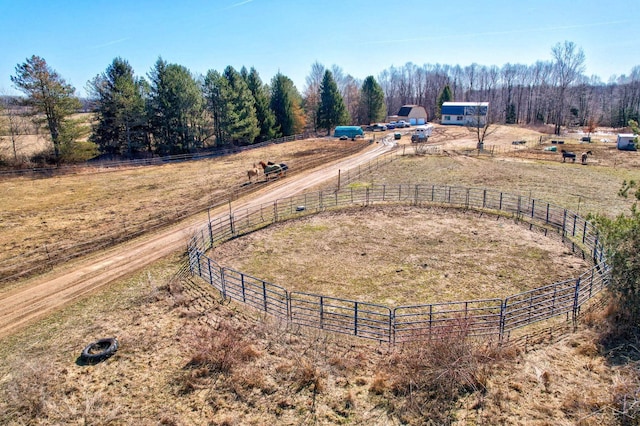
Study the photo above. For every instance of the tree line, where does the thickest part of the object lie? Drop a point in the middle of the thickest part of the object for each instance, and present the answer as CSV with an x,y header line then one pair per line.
x,y
553,92
173,111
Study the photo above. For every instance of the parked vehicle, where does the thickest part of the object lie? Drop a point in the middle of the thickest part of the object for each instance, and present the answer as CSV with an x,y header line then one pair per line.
x,y
421,133
376,128
350,132
391,126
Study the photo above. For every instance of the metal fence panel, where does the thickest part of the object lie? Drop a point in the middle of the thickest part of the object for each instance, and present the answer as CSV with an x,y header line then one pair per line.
x,y
341,316
539,304
255,292
471,318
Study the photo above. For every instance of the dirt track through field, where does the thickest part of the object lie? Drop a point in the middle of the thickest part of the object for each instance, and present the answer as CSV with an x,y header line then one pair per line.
x,y
40,297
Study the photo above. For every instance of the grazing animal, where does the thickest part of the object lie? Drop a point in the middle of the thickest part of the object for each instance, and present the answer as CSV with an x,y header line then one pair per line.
x,y
271,169
584,156
253,172
569,155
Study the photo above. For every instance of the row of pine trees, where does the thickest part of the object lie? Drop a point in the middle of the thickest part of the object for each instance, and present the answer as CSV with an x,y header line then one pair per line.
x,y
171,111
174,112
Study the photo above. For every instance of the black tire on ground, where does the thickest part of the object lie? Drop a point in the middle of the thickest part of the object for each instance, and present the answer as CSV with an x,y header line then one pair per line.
x,y
99,350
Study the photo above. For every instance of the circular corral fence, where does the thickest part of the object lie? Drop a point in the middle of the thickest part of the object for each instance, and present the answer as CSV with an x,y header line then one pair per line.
x,y
480,241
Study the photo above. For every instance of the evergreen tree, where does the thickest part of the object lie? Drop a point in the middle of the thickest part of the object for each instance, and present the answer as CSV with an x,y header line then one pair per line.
x,y
266,118
510,115
217,93
121,118
49,95
372,107
243,124
311,98
331,110
285,104
175,108
445,96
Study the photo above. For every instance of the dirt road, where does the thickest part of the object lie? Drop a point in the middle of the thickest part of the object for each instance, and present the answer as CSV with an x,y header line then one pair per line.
x,y
43,295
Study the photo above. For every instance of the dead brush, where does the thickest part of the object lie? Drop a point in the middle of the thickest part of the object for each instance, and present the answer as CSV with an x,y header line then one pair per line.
x,y
219,349
25,396
431,375
307,375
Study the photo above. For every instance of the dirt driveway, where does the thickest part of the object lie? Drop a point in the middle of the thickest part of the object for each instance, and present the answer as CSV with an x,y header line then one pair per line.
x,y
69,283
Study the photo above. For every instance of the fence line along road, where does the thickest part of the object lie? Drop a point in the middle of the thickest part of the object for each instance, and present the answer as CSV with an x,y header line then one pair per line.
x,y
48,255
489,318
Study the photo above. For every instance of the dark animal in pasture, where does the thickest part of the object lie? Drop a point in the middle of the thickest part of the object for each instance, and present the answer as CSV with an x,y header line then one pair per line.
x,y
569,155
273,170
253,172
584,156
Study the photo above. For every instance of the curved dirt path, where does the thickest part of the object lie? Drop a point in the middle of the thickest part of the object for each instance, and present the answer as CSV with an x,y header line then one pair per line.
x,y
43,295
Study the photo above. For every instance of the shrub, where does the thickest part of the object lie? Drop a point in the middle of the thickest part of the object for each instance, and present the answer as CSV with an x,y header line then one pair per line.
x,y
220,349
431,375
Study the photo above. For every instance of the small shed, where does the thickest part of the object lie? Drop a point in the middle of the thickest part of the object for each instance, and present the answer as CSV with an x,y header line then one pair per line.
x,y
627,142
464,113
412,114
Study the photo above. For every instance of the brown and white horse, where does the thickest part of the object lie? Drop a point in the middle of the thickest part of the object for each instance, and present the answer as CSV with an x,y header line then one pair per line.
x,y
584,156
253,172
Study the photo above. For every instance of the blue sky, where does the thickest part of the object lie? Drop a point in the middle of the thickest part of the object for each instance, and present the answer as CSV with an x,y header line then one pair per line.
x,y
79,39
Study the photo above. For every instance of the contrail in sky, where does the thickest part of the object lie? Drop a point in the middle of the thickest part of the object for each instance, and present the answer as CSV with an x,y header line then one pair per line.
x,y
237,4
110,43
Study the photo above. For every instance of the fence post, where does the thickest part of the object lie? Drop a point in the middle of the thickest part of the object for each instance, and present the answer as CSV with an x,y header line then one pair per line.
x,y
355,318
264,296
210,229
533,207
210,275
547,218
321,312
223,282
275,211
392,326
484,199
503,308
576,306
244,296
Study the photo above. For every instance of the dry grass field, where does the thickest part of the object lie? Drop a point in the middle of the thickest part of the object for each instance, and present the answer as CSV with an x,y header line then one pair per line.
x,y
401,255
187,357
47,216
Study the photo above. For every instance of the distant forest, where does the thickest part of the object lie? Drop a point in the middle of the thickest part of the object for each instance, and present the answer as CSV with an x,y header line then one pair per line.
x,y
171,110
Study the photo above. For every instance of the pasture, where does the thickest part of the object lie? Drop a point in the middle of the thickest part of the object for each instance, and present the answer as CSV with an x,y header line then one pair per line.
x,y
44,217
186,357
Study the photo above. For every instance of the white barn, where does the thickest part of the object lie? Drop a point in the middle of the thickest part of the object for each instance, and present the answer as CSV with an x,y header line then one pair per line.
x,y
464,113
412,114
